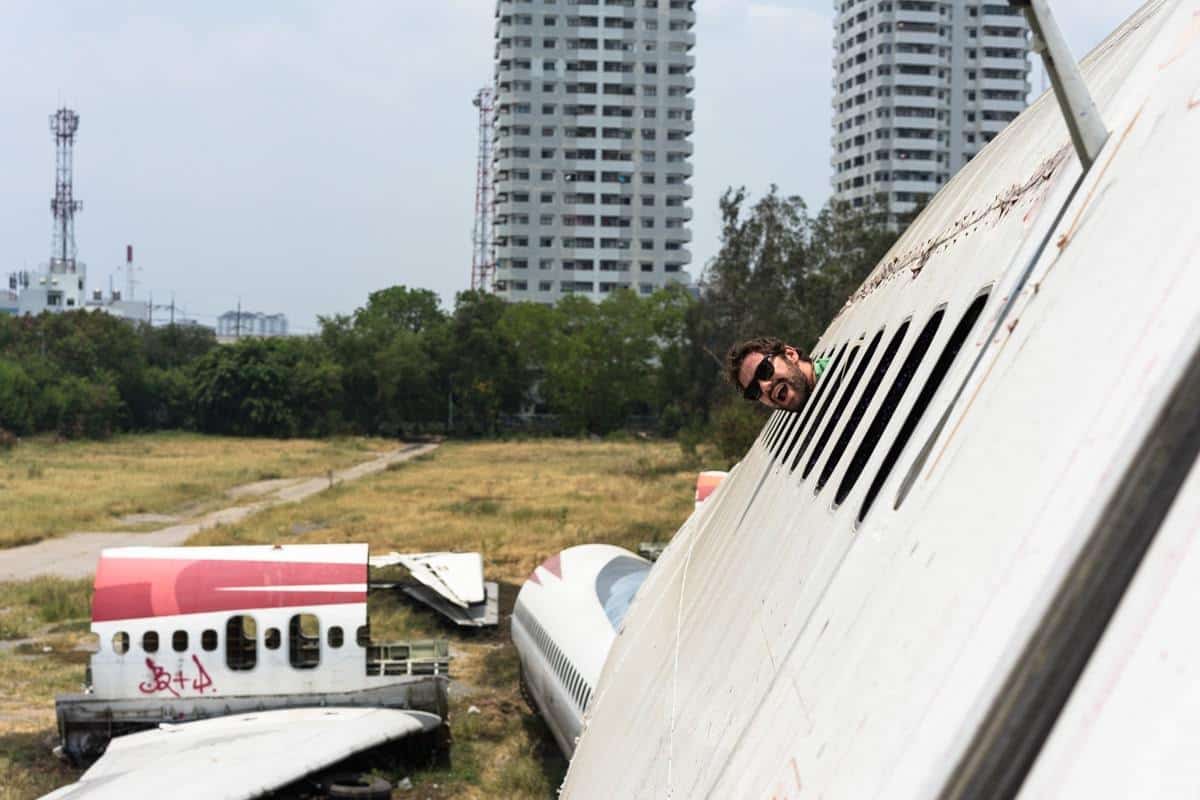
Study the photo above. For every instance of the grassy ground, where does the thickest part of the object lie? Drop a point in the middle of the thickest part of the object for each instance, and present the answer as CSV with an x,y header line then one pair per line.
x,y
48,487
515,502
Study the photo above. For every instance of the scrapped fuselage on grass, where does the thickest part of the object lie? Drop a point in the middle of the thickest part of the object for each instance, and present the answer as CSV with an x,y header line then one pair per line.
x,y
188,633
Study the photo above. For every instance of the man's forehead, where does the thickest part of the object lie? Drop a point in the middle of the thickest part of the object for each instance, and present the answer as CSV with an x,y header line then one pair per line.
x,y
750,363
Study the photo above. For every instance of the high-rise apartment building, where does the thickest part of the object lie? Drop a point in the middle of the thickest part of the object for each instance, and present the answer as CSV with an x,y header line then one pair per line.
x,y
919,87
592,150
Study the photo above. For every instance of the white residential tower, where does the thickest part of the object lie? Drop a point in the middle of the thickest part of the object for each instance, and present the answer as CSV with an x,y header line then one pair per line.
x,y
592,146
919,87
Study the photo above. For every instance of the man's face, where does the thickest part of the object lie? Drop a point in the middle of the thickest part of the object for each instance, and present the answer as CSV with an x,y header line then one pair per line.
x,y
789,385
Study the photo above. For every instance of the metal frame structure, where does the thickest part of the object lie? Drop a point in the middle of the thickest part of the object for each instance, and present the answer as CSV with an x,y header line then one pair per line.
x,y
63,124
483,255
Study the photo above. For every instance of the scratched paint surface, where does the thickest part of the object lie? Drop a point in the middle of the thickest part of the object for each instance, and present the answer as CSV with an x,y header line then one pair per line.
x,y
781,649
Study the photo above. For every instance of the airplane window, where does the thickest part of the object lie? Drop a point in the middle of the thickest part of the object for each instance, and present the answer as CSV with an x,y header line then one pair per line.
x,y
272,639
890,401
120,642
362,637
208,639
150,642
860,408
843,401
836,383
927,391
953,346
179,641
334,637
818,394
304,641
786,422
241,642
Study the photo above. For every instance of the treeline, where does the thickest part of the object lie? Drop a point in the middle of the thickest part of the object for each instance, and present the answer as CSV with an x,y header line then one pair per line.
x,y
402,365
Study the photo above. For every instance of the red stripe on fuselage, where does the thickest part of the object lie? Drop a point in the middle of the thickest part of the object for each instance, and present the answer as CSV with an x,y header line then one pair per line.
x,y
131,588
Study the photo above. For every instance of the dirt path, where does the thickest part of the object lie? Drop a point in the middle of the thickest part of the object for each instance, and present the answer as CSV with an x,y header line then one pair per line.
x,y
75,555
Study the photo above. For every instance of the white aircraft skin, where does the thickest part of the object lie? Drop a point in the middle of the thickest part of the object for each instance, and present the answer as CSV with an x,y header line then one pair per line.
x,y
240,756
176,641
566,617
793,641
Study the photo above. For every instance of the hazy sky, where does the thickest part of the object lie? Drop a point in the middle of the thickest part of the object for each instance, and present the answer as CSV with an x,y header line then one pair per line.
x,y
299,155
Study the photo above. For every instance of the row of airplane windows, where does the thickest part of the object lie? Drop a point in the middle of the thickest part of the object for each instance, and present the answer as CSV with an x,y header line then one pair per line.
x,y
241,641
570,678
795,434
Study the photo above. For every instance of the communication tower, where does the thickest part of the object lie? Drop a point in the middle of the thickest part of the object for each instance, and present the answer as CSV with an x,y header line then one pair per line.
x,y
64,123
483,262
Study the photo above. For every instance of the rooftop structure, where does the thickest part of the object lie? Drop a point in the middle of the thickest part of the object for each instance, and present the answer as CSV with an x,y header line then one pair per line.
x,y
241,324
59,284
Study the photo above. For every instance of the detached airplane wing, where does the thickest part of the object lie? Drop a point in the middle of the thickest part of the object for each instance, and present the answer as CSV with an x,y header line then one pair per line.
x,y
239,756
458,577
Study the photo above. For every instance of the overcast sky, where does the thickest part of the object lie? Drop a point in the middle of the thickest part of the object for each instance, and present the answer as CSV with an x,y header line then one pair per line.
x,y
300,155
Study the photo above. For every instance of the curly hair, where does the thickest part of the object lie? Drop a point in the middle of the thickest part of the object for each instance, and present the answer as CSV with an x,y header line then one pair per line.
x,y
759,344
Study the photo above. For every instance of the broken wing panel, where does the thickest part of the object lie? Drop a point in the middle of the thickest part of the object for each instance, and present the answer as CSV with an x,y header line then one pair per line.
x,y
456,576
240,756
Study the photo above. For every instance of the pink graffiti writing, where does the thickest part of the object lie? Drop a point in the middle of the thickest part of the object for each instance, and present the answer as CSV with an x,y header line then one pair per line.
x,y
161,680
202,681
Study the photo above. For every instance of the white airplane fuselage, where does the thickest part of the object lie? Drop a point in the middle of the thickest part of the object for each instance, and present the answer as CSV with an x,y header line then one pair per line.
x,y
967,567
566,618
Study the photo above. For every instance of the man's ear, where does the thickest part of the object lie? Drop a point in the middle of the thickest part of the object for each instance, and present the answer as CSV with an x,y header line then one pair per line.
x,y
790,353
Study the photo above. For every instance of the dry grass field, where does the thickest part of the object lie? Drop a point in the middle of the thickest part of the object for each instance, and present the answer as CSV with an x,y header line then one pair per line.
x,y
515,502
49,487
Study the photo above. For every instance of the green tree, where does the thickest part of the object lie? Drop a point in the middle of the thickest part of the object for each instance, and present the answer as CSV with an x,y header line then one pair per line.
x,y
390,380
267,387
603,365
480,362
18,396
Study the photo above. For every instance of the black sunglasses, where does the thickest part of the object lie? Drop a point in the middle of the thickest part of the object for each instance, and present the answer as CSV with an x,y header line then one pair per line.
x,y
764,372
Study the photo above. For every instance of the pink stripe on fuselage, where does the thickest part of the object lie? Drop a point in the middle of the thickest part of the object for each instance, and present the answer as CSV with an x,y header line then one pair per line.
x,y
133,588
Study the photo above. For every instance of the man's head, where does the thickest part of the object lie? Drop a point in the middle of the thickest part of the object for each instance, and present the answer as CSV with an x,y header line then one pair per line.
x,y
776,374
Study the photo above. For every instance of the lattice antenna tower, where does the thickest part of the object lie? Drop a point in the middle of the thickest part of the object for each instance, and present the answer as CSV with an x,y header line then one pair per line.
x,y
63,124
483,260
